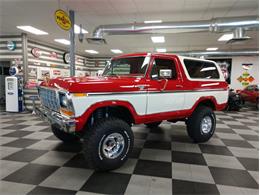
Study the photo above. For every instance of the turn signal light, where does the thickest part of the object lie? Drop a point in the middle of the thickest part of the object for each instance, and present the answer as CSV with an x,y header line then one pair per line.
x,y
80,94
66,112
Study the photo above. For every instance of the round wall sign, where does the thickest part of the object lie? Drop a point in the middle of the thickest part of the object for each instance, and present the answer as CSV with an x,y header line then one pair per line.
x,y
66,57
62,19
36,52
13,70
11,45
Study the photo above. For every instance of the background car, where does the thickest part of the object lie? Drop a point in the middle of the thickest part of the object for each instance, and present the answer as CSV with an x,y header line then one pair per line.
x,y
250,94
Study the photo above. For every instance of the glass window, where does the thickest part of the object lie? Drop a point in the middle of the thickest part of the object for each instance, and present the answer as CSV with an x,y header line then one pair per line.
x,y
6,71
201,69
163,64
133,66
250,88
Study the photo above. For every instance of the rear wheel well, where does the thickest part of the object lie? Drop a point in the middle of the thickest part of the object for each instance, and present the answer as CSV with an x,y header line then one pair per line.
x,y
120,112
207,103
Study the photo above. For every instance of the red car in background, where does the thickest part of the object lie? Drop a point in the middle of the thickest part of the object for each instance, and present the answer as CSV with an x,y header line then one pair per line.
x,y
250,94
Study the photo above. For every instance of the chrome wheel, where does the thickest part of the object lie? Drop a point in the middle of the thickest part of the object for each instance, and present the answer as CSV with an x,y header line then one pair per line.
x,y
206,124
113,145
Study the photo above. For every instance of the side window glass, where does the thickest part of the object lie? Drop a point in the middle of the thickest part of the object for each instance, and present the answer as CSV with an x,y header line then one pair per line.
x,y
160,65
250,88
201,69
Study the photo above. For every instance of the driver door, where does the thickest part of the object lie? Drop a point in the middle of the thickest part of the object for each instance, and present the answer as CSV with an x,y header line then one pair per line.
x,y
165,94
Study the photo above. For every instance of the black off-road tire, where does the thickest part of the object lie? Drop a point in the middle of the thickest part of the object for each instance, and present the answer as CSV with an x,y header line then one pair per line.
x,y
95,137
63,136
194,124
153,125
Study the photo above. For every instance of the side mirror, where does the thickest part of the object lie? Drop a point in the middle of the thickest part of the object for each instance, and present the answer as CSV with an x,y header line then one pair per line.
x,y
166,73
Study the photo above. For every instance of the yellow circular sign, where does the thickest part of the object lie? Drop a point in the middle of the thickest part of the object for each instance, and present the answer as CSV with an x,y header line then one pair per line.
x,y
62,19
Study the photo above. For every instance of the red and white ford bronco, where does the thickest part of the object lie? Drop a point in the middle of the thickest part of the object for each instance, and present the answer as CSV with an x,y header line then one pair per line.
x,y
140,88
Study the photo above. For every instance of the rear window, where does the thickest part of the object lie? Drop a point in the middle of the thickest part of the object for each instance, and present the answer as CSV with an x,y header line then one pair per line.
x,y
201,69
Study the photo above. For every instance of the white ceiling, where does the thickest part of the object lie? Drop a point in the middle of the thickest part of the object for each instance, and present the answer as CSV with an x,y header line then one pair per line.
x,y
91,13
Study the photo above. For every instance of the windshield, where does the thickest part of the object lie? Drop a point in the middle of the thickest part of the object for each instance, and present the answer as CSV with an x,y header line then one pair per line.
x,y
131,66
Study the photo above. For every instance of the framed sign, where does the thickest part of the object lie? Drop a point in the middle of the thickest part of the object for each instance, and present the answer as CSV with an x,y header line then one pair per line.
x,y
96,63
32,72
225,66
56,73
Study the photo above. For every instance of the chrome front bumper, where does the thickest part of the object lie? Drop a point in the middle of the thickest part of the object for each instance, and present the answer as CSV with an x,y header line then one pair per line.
x,y
54,118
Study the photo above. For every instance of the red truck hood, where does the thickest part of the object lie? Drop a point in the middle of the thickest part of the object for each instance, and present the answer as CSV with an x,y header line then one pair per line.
x,y
94,84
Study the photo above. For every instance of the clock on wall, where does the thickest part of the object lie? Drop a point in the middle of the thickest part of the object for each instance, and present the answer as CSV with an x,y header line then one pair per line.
x,y
66,57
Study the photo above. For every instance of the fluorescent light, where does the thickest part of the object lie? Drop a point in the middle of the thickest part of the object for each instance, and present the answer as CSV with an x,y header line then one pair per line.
x,y
116,51
32,30
226,37
212,49
77,29
158,39
152,21
63,41
161,50
91,51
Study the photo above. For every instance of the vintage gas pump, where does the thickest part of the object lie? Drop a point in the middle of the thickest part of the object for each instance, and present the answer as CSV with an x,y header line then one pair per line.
x,y
14,92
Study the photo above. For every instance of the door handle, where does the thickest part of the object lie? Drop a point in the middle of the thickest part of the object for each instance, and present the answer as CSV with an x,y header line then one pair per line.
x,y
142,87
179,86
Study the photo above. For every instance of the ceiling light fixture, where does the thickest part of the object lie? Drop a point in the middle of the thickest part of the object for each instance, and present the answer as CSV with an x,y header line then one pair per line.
x,y
91,51
161,50
212,49
62,41
152,21
116,51
77,29
32,30
158,39
226,37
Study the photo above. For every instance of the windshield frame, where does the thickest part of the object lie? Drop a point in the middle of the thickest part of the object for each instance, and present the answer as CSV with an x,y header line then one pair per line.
x,y
129,75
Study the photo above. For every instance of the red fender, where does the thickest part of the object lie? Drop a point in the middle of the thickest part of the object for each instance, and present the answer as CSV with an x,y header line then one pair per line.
x,y
81,121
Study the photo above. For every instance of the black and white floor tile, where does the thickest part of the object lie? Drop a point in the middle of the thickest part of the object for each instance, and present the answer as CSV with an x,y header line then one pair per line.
x,y
164,160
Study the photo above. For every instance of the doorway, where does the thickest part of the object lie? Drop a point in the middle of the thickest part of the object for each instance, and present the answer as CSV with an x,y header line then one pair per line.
x,y
4,72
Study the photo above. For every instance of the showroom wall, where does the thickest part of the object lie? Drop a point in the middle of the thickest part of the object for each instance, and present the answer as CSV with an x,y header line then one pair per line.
x,y
8,57
51,62
51,59
238,70
242,70
6,54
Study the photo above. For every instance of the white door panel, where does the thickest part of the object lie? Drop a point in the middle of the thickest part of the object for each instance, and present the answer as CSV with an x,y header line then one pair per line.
x,y
164,102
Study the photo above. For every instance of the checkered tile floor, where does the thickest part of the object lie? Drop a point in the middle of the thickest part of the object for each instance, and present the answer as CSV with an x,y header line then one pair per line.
x,y
164,160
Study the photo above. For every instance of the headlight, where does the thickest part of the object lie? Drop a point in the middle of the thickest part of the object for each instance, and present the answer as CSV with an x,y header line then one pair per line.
x,y
66,105
63,100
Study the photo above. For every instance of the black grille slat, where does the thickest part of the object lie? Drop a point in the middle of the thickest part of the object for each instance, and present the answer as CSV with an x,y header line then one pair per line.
x,y
49,99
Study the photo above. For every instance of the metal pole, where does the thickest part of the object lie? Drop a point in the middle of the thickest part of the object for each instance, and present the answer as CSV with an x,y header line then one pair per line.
x,y
25,56
72,43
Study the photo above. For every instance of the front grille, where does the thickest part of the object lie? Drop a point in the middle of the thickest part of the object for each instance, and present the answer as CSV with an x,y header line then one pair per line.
x,y
49,98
